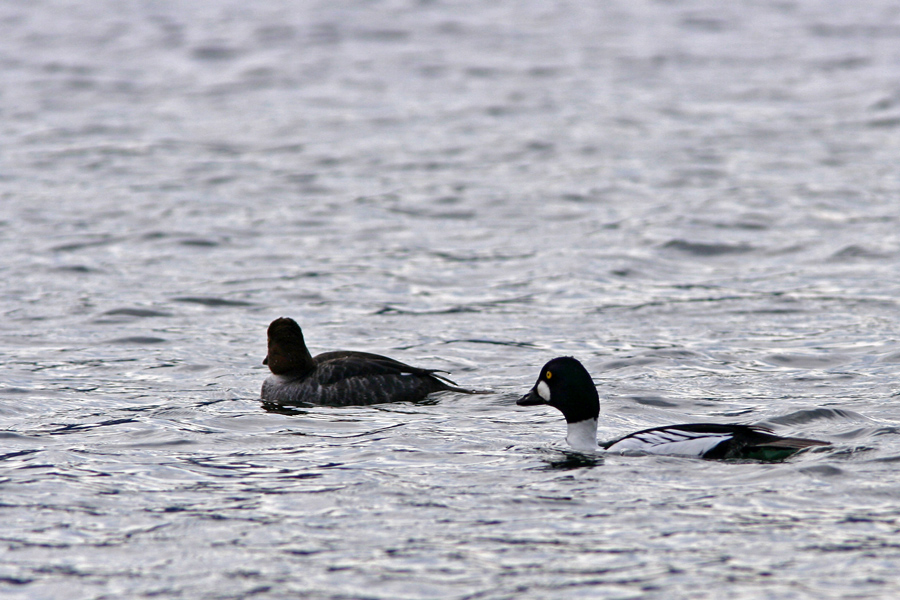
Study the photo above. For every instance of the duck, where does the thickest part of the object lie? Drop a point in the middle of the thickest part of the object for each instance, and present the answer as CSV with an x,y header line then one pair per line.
x,y
342,378
566,385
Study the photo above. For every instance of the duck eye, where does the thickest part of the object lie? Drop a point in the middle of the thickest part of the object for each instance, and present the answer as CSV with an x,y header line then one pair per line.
x,y
548,375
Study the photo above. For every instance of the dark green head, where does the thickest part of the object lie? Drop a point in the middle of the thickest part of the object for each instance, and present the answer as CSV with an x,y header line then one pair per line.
x,y
566,385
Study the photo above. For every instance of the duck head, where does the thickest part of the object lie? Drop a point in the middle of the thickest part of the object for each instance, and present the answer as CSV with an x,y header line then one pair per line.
x,y
287,349
566,385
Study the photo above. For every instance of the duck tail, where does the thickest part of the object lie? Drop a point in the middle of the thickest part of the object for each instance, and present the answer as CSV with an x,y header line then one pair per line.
x,y
450,386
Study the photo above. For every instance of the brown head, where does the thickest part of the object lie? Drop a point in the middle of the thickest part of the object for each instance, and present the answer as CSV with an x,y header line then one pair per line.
x,y
287,349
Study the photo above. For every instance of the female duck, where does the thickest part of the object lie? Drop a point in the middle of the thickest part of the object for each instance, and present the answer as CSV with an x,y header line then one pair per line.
x,y
565,384
340,378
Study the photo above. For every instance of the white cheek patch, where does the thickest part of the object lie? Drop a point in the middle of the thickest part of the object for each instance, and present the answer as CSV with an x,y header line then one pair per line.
x,y
543,391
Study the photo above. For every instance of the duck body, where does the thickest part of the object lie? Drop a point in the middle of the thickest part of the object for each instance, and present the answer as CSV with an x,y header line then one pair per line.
x,y
342,378
565,384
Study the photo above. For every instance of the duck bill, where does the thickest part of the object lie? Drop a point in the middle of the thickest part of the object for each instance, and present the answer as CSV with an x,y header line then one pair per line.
x,y
531,399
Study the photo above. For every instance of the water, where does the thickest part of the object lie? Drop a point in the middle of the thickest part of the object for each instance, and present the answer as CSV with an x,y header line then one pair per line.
x,y
698,201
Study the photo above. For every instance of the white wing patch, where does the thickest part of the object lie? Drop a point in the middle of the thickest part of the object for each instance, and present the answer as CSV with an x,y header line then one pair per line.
x,y
670,441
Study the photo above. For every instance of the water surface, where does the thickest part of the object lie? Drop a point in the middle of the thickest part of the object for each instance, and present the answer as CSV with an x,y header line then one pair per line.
x,y
698,202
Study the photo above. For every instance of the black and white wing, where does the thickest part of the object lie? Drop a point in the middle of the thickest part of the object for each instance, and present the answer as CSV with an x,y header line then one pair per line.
x,y
710,440
679,440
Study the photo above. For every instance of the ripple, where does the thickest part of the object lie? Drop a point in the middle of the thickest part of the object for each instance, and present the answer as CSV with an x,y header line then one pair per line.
x,y
652,401
492,342
824,470
200,243
707,249
811,415
211,301
139,340
95,243
855,251
137,312
215,52
806,361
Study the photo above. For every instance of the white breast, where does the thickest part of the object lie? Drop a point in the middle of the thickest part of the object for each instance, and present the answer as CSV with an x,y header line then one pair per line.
x,y
582,436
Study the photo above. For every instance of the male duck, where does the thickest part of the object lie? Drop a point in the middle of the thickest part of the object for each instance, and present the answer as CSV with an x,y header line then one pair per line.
x,y
340,378
565,384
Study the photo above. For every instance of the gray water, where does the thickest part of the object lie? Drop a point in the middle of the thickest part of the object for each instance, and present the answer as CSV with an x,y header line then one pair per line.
x,y
700,200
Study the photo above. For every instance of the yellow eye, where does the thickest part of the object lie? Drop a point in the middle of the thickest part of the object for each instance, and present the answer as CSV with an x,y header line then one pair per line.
x,y
548,375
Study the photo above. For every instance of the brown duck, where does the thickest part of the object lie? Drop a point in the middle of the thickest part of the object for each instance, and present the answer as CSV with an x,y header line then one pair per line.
x,y
341,378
